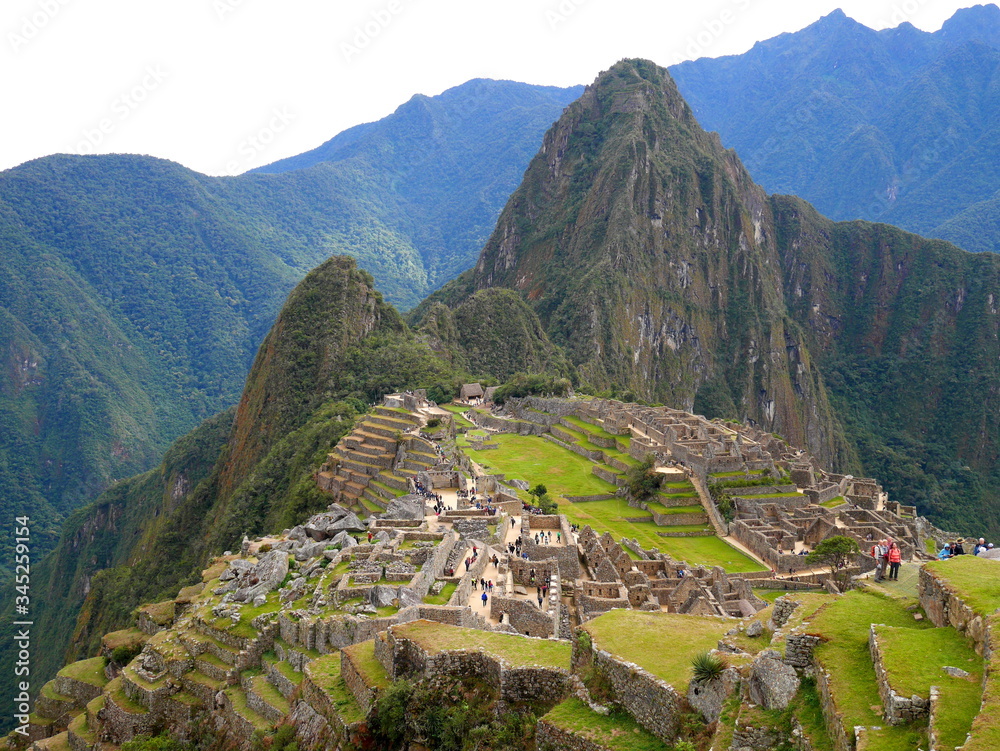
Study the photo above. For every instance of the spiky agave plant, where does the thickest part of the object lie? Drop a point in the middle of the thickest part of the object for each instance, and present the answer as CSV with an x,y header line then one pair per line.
x,y
707,666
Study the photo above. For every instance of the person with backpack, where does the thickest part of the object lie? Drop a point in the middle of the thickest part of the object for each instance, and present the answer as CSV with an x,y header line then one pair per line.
x,y
895,558
879,552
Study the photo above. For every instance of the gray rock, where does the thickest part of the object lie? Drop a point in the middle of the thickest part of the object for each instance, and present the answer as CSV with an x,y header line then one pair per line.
x,y
708,697
259,600
382,536
266,575
520,484
755,629
382,596
772,683
350,523
337,511
297,533
408,597
955,672
406,507
235,569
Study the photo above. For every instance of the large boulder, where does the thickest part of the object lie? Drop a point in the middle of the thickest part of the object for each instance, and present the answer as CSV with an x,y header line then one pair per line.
x,y
349,523
266,575
405,507
772,683
382,596
709,696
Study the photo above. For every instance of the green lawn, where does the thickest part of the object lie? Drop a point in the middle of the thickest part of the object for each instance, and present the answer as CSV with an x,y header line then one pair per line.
x,y
518,651
914,660
977,580
845,622
642,638
536,460
621,733
833,502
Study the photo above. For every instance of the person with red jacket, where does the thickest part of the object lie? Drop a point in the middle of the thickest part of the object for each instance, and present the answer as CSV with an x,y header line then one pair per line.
x,y
895,558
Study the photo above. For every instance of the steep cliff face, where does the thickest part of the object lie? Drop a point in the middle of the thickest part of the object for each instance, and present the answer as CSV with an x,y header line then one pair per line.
x,y
907,334
651,256
333,308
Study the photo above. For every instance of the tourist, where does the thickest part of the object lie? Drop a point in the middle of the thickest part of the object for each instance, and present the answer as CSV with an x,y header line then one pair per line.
x,y
879,552
958,548
539,600
475,585
980,546
946,553
895,558
485,597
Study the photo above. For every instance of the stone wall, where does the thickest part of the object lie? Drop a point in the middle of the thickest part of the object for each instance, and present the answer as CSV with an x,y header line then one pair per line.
x,y
364,694
525,616
675,520
899,710
587,498
799,649
944,607
832,716
548,737
654,703
515,684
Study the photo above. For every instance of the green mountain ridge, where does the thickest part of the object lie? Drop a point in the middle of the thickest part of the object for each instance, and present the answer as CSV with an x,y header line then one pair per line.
x,y
896,125
137,291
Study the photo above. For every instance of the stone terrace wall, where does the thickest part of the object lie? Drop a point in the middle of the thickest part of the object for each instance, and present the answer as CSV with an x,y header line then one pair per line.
x,y
944,607
550,738
899,710
833,717
364,694
516,684
654,703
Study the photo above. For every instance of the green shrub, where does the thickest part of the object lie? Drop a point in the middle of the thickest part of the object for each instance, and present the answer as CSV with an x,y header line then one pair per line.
x,y
708,667
124,654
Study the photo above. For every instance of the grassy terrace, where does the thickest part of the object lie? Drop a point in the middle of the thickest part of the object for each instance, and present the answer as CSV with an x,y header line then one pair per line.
x,y
914,660
362,656
845,622
536,460
587,427
641,637
620,734
833,502
87,671
324,672
976,580
442,599
516,650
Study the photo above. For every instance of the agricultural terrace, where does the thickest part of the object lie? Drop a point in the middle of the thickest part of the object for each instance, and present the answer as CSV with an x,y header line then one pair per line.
x,y
662,643
518,651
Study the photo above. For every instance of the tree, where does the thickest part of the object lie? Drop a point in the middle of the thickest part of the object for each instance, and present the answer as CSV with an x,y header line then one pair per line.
x,y
836,553
539,490
642,480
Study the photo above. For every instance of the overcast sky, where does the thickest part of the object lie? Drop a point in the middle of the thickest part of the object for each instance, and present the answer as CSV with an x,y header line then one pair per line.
x,y
225,85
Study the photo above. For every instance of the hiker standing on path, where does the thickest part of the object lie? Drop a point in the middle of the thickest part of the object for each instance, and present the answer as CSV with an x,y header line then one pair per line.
x,y
485,597
895,558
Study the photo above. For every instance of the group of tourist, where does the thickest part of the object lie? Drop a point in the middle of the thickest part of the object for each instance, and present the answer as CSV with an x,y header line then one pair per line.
x,y
886,554
952,549
545,538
